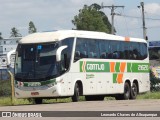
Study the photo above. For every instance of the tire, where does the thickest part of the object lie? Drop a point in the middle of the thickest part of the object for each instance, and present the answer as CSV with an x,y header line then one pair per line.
x,y
134,91
126,94
38,101
75,97
127,91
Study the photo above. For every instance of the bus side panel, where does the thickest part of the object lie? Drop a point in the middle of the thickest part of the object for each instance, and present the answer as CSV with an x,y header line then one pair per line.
x,y
144,83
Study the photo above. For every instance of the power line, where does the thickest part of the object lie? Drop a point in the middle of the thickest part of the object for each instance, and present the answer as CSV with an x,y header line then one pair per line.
x,y
136,17
113,7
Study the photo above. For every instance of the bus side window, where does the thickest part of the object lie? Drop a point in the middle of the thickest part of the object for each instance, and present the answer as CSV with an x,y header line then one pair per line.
x,y
103,49
143,50
81,49
93,49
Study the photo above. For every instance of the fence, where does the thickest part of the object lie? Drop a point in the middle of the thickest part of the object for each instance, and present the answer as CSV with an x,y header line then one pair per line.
x,y
5,87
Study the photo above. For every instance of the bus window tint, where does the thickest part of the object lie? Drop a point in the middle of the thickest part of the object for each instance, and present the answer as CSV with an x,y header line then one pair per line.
x,y
104,49
67,52
81,49
114,53
143,51
110,49
93,51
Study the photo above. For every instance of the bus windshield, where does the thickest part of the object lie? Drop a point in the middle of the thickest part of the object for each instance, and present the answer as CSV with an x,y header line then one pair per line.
x,y
36,62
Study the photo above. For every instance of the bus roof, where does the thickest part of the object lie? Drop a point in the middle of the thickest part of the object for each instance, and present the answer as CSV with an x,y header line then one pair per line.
x,y
43,37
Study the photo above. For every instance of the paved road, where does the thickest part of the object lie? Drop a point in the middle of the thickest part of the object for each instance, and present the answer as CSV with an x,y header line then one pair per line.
x,y
127,105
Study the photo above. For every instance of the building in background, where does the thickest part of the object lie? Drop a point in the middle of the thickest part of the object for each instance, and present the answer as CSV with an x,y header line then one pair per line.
x,y
7,45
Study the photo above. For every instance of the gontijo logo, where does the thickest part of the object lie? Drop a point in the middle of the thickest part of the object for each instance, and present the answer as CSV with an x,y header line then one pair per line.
x,y
117,68
102,66
94,66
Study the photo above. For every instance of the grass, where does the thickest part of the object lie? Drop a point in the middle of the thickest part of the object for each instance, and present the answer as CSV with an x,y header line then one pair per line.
x,y
149,95
6,101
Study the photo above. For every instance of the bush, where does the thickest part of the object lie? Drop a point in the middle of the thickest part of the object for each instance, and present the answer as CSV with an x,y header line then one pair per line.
x,y
155,82
5,88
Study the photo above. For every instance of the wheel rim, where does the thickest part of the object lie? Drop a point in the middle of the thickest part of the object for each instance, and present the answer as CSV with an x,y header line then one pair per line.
x,y
77,92
134,90
127,91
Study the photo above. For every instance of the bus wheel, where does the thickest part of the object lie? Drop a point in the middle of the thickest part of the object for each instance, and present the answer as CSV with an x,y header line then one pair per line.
x,y
127,91
38,100
75,97
126,94
134,91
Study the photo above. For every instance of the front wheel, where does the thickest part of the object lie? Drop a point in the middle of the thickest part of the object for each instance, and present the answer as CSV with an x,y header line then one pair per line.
x,y
75,97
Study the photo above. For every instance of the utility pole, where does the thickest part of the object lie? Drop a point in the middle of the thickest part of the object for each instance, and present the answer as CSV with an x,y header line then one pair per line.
x,y
112,13
143,21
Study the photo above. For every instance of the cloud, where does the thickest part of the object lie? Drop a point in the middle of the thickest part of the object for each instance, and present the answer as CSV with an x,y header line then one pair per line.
x,y
46,14
152,8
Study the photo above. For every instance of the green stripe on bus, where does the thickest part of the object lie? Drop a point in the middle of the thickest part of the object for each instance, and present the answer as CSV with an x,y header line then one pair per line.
x,y
140,67
90,66
115,77
117,68
81,63
129,67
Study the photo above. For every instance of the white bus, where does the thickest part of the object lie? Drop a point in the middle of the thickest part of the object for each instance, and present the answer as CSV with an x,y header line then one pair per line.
x,y
154,57
72,63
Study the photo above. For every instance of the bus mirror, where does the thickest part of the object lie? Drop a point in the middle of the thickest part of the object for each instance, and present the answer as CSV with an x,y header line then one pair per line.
x,y
9,57
59,51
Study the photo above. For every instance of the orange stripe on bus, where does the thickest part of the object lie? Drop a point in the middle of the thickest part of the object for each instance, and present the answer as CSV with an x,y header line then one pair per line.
x,y
119,78
112,66
127,39
122,66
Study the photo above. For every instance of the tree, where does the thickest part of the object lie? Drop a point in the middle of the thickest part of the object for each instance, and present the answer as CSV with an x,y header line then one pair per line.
x,y
92,19
14,32
32,28
1,36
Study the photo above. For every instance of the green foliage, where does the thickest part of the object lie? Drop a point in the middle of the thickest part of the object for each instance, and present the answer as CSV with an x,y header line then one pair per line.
x,y
14,32
149,95
155,82
32,28
5,88
92,19
1,36
6,101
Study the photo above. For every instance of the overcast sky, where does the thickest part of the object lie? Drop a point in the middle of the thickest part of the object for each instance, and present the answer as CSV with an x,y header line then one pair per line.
x,y
49,15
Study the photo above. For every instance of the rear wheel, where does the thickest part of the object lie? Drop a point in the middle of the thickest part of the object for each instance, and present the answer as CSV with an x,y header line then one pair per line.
x,y
126,94
38,100
127,91
75,97
134,91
